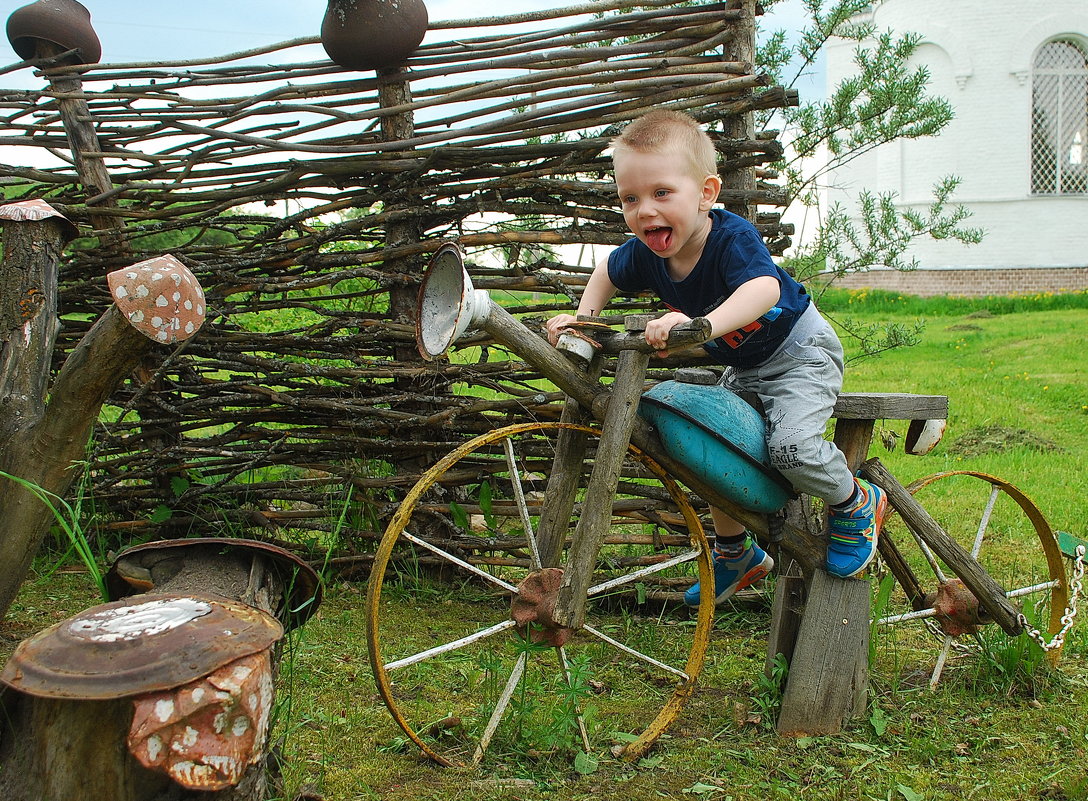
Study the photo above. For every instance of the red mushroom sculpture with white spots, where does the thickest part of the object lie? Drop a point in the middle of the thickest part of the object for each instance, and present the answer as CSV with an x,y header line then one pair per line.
x,y
160,297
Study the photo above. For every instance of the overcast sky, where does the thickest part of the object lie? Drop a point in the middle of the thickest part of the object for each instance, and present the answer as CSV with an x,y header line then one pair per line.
x,y
171,30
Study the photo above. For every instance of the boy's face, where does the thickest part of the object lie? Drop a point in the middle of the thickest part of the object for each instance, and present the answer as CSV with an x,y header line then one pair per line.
x,y
664,203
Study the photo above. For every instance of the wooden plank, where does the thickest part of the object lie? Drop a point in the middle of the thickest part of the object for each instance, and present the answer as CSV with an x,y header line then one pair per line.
x,y
828,675
789,603
890,406
596,515
1068,543
564,480
978,581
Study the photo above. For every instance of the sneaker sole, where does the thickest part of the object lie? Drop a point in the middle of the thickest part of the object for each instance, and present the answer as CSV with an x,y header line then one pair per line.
x,y
878,524
747,580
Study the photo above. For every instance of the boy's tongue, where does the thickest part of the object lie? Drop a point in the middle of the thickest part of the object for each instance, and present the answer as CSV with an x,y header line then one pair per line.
x,y
658,238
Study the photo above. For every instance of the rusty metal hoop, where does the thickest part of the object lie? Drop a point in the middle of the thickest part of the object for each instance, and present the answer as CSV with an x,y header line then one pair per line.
x,y
949,606
677,683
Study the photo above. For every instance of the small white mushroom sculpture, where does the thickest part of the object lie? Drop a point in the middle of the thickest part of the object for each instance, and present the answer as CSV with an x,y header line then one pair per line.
x,y
160,297
33,210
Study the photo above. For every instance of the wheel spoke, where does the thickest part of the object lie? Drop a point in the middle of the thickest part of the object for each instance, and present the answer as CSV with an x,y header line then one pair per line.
x,y
459,562
451,646
931,558
637,654
1019,592
639,574
984,523
519,496
941,659
500,706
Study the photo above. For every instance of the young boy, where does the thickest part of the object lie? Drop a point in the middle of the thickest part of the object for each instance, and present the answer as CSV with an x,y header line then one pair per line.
x,y
705,262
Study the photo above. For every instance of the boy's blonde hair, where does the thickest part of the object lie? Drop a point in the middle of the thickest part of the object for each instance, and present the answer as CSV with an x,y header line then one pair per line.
x,y
664,130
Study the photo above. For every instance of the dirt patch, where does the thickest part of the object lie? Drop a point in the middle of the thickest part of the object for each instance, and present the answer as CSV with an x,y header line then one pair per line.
x,y
964,327
981,314
998,439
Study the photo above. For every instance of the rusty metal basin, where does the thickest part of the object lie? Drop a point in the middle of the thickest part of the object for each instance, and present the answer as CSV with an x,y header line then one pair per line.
x,y
304,584
153,642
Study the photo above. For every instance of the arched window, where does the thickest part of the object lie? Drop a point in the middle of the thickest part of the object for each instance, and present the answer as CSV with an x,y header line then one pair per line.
x,y
1059,119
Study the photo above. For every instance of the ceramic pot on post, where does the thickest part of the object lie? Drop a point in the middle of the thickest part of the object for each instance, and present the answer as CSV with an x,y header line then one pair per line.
x,y
372,34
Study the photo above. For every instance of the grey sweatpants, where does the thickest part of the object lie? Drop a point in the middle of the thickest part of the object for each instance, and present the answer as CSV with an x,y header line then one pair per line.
x,y
798,386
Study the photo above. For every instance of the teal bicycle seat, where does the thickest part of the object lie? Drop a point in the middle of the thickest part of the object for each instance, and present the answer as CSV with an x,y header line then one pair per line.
x,y
721,438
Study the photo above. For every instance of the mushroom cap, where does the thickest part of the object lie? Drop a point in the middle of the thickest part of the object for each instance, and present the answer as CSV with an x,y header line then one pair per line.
x,y
302,580
34,210
138,645
160,297
65,23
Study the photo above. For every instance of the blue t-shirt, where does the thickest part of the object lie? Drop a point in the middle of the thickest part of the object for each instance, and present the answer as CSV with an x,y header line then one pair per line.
x,y
734,253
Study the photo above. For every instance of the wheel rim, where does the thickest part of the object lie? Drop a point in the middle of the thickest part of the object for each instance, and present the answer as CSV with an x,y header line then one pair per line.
x,y
1005,532
489,674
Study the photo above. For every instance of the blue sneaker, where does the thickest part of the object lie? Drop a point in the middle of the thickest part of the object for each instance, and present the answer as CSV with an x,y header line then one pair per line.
x,y
734,573
852,540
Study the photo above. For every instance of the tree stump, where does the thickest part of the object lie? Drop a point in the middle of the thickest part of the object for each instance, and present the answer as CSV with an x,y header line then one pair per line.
x,y
64,744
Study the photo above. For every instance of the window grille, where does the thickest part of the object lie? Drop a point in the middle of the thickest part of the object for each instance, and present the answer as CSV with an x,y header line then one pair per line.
x,y
1059,120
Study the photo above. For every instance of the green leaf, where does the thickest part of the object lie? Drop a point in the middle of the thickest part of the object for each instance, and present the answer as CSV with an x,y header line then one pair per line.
x,y
651,761
585,763
640,592
699,788
178,485
879,604
909,793
460,517
485,503
161,513
879,721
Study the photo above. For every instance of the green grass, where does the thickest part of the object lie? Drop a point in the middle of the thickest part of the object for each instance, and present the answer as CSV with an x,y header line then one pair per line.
x,y
1018,410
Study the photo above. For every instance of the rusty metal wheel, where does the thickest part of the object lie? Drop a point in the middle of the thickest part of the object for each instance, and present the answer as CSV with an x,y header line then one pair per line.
x,y
1003,530
462,646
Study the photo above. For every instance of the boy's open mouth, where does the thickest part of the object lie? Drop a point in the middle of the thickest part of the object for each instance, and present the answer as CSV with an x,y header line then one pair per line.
x,y
658,238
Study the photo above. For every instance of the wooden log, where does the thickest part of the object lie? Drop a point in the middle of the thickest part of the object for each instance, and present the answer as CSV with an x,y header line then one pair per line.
x,y
738,185
42,439
978,581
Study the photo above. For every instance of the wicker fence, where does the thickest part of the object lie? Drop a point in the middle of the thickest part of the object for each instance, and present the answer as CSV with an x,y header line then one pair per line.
x,y
307,199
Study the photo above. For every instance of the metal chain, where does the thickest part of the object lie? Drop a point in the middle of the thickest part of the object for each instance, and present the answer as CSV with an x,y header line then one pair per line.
x,y
1070,610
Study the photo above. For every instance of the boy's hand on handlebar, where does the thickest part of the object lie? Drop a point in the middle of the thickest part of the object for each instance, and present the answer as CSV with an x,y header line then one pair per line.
x,y
555,326
657,331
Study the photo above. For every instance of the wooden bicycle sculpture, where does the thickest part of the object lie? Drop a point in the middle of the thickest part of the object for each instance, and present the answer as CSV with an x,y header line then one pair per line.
x,y
577,520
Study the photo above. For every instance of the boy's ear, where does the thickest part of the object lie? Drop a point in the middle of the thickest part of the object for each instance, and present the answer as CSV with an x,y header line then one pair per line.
x,y
712,186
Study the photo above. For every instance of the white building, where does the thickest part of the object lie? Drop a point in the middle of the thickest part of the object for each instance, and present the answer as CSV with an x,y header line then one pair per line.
x,y
1017,76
